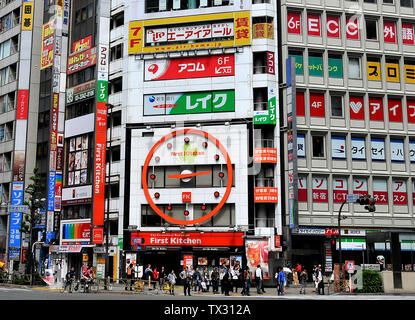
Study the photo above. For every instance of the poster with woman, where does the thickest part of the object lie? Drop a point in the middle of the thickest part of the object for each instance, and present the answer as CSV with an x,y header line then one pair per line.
x,y
257,254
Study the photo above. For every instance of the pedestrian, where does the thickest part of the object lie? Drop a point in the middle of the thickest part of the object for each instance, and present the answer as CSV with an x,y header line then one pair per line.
x,y
215,280
281,281
247,276
130,276
197,279
259,278
320,281
70,279
315,279
221,273
225,280
187,276
235,278
162,277
155,277
172,281
303,280
205,279
148,273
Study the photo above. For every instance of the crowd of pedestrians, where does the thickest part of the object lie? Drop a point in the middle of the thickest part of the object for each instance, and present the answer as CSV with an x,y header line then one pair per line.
x,y
225,279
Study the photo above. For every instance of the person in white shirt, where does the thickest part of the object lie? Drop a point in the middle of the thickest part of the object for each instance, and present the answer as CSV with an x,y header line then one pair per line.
x,y
258,279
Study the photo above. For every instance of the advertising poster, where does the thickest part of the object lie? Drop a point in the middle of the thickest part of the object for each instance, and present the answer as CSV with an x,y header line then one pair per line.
x,y
257,254
236,261
188,261
188,103
192,67
76,233
82,60
202,261
48,35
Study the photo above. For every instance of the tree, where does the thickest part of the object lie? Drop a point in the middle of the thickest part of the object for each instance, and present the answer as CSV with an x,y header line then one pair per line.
x,y
32,217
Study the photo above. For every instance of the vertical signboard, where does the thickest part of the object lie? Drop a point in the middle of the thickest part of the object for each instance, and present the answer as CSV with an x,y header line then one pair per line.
x,y
15,221
291,139
100,132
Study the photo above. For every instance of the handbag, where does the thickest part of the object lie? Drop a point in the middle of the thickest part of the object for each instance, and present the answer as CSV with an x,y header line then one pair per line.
x,y
203,285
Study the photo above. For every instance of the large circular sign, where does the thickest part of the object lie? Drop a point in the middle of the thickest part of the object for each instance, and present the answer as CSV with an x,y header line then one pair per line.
x,y
185,175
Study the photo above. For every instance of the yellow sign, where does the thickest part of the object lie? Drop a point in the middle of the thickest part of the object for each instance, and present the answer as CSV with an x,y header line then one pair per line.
x,y
410,73
373,71
392,72
241,36
263,30
27,16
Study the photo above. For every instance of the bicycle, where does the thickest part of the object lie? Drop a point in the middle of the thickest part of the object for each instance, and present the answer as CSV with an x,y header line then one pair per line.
x,y
67,284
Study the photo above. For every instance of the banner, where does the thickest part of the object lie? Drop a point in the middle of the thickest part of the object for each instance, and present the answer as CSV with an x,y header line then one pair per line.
x,y
339,190
189,103
80,92
200,32
266,195
82,44
192,67
257,254
320,192
82,60
27,16
48,35
380,191
75,233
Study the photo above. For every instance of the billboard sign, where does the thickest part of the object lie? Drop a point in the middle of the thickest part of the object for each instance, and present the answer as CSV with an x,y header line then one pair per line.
x,y
191,67
191,32
189,103
48,36
75,233
80,92
82,60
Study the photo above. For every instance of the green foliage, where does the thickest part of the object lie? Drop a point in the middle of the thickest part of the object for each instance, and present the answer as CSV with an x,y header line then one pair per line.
x,y
372,282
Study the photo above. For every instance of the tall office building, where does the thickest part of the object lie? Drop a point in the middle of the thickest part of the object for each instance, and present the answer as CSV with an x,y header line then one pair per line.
x,y
199,177
354,73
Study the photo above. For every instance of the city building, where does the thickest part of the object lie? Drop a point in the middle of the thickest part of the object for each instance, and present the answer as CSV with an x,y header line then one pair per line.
x,y
354,76
199,168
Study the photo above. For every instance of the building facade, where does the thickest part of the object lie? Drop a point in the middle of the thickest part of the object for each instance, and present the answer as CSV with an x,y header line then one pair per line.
x,y
200,163
354,63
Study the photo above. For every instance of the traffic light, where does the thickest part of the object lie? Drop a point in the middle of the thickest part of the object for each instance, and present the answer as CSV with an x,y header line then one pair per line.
x,y
368,201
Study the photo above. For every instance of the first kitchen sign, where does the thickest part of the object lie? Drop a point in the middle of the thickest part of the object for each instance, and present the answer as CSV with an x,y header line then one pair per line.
x,y
188,239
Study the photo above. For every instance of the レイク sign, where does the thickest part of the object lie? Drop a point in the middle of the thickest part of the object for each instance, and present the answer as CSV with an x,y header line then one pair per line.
x,y
188,239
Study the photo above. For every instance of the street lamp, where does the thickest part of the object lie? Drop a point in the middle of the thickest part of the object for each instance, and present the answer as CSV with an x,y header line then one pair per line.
x,y
37,204
340,217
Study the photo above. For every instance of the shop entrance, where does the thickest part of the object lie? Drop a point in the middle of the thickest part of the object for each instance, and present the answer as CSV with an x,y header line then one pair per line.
x,y
170,260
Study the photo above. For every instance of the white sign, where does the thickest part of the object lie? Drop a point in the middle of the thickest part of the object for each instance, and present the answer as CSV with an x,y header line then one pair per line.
x,y
17,208
358,149
338,147
397,150
378,149
300,145
352,197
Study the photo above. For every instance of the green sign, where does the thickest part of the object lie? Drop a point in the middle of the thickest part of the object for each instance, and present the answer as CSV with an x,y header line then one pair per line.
x,y
102,88
315,66
299,66
267,116
189,103
335,68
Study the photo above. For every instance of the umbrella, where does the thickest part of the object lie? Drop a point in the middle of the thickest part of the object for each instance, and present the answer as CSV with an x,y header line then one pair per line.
x,y
288,270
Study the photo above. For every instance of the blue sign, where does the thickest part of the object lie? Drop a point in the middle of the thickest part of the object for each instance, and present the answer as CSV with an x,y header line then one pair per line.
x,y
49,236
51,191
14,253
16,219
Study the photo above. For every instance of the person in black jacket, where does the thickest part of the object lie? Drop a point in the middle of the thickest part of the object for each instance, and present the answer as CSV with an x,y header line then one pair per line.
x,y
226,280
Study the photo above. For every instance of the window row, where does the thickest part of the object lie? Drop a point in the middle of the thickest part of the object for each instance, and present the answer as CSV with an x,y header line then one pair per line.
x,y
403,3
331,25
317,66
224,218
167,5
358,106
382,189
166,177
340,147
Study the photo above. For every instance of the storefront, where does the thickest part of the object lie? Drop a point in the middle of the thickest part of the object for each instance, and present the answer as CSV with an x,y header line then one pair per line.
x,y
175,250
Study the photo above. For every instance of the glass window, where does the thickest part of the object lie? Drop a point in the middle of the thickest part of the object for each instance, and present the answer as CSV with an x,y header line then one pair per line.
x,y
354,68
318,146
388,1
371,29
336,103
407,3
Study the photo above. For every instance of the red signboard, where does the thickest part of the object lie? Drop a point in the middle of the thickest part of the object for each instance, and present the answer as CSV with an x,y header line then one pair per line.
x,y
333,27
395,110
352,29
294,22
317,108
339,190
191,67
83,44
186,197
400,196
381,197
302,189
410,105
331,232
389,31
98,235
300,104
266,195
22,104
357,111
270,62
313,25
320,192
265,155
189,239
408,33
82,60
376,109
54,122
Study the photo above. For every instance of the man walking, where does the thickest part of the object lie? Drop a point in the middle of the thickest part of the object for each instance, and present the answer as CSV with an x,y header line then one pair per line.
x,y
281,282
259,279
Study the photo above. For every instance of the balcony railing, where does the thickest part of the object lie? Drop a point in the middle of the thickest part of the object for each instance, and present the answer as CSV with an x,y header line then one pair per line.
x,y
264,182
